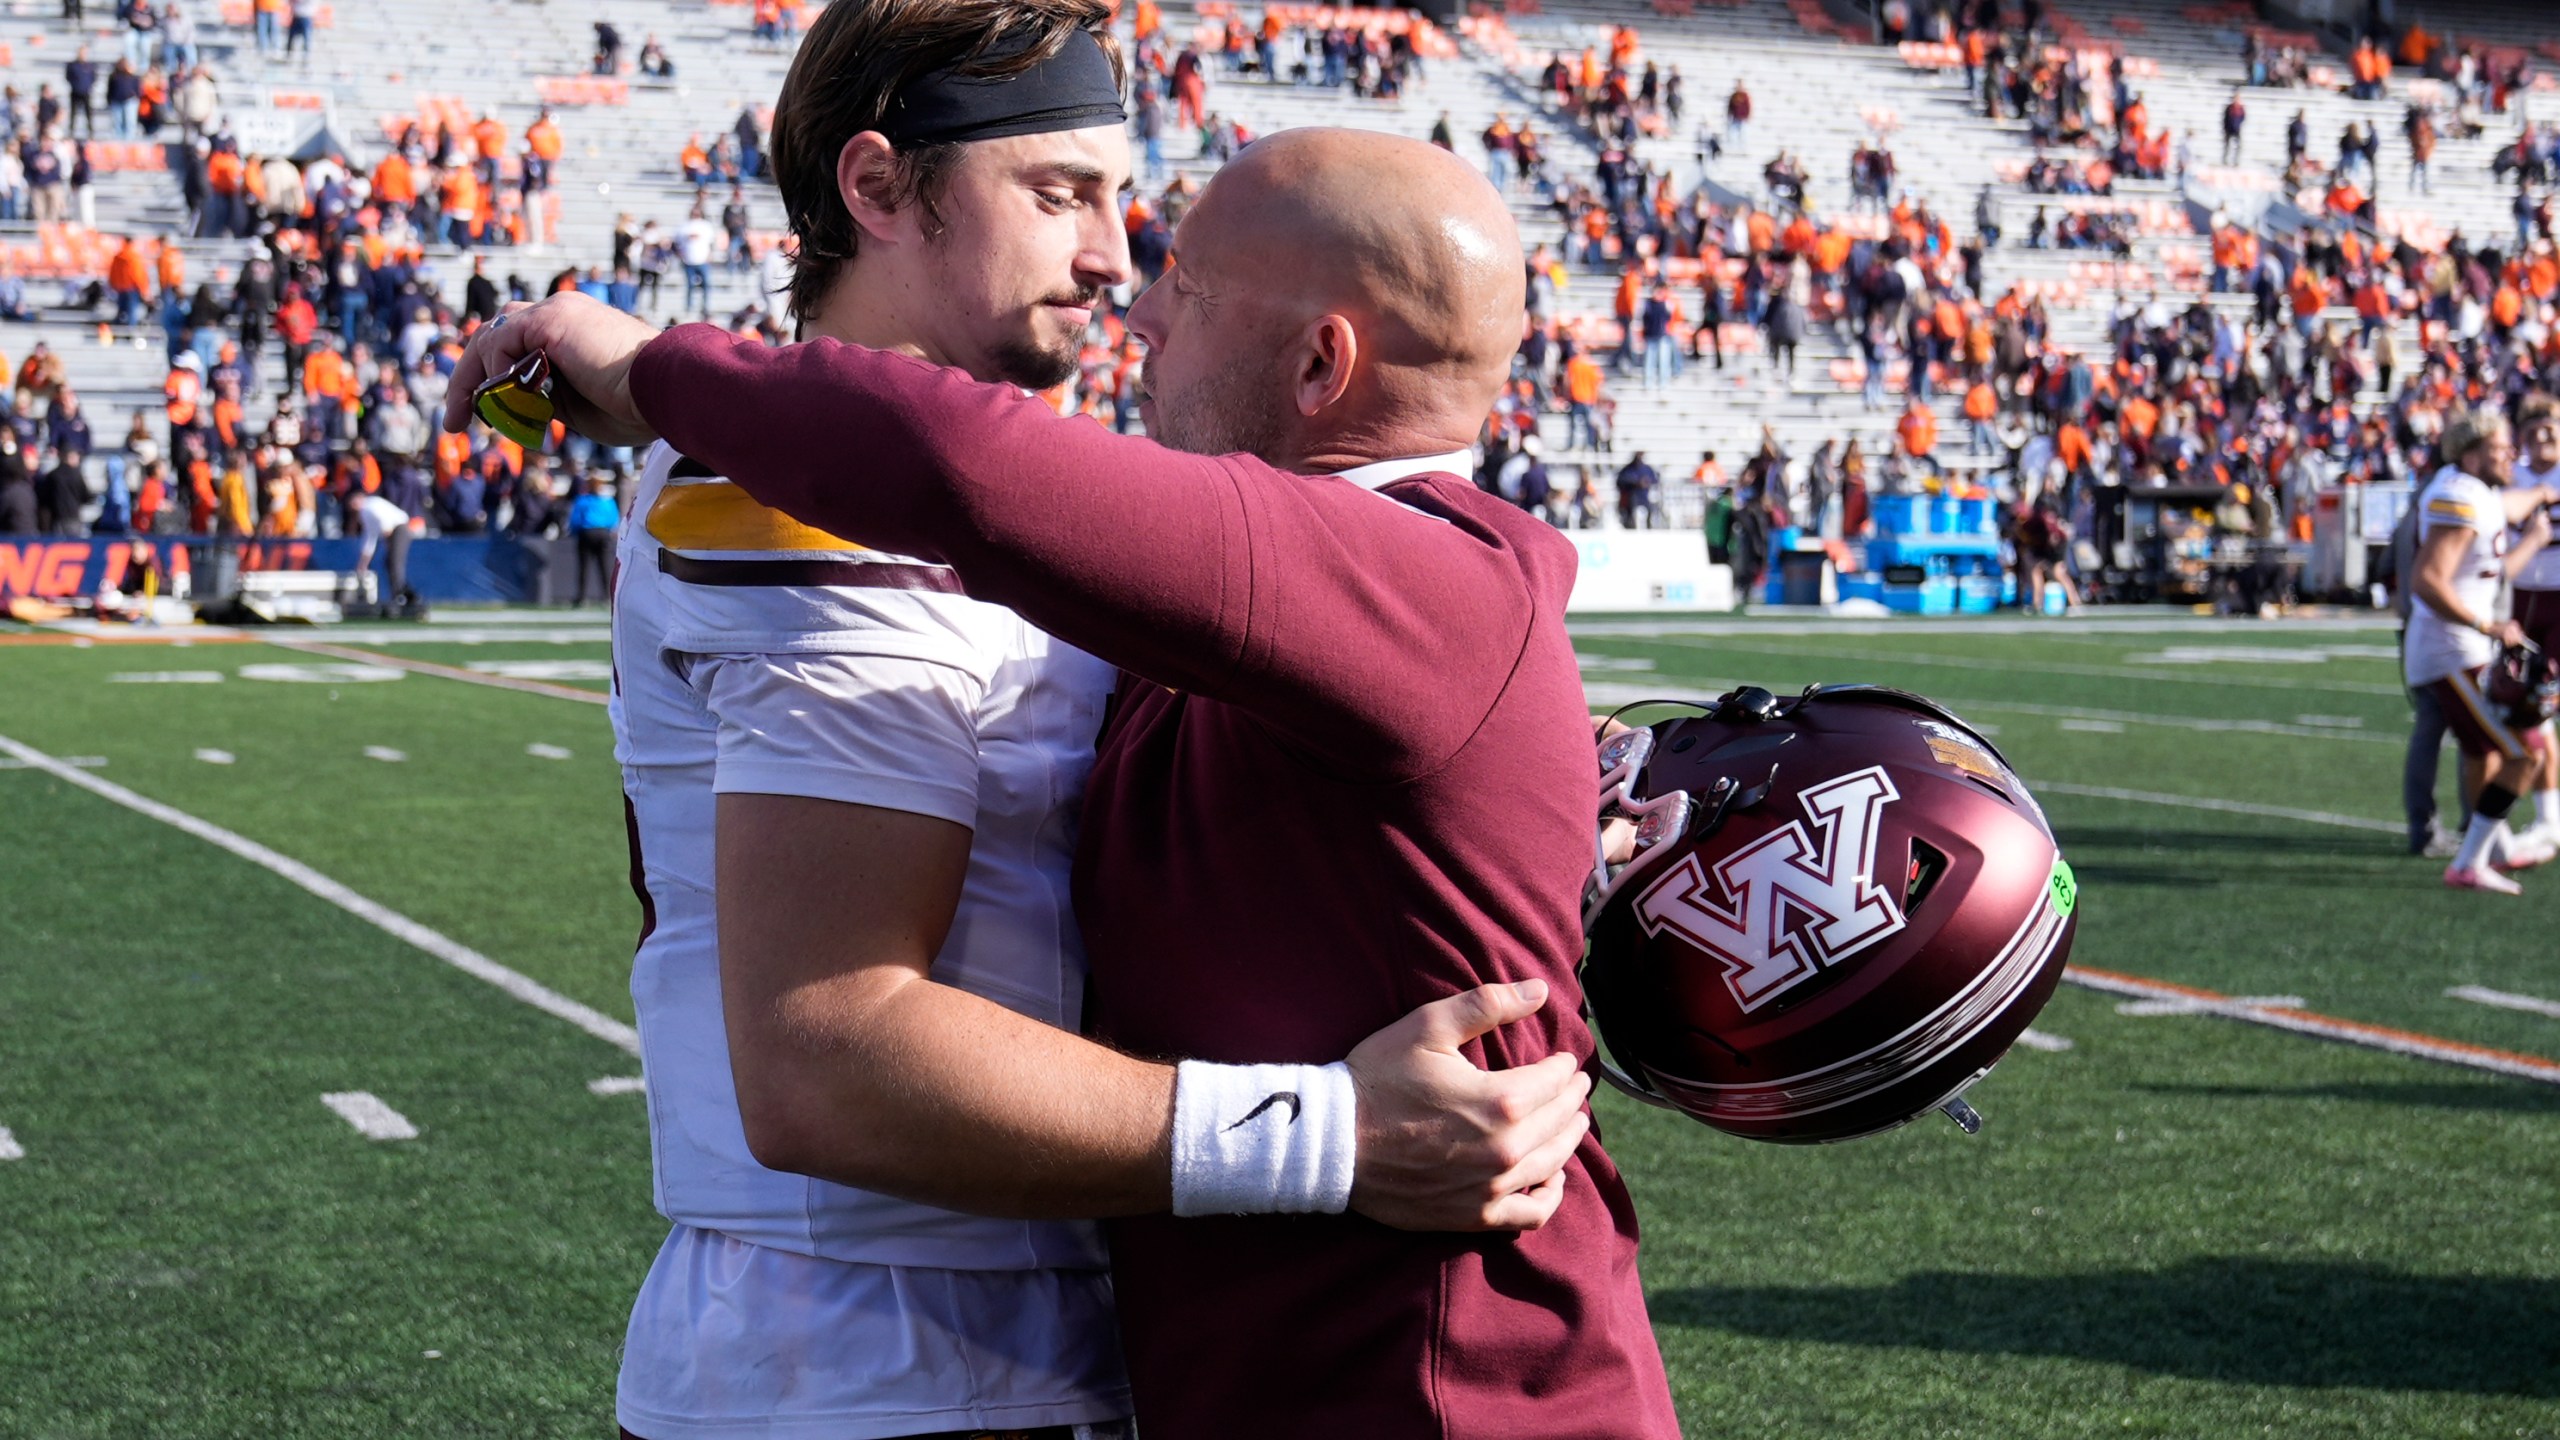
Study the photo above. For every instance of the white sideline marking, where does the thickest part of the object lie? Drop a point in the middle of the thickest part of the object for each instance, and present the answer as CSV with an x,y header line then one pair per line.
x,y
2190,1005
10,1149
452,952
167,677
1589,662
617,1085
210,757
2231,807
2505,1000
2091,727
2040,1040
385,754
540,751
85,762
2331,722
373,1119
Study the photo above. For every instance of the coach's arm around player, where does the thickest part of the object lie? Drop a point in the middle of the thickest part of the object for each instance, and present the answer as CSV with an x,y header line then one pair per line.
x,y
830,916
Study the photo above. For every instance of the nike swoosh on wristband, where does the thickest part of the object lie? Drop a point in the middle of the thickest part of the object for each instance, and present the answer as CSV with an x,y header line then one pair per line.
x,y
1276,1097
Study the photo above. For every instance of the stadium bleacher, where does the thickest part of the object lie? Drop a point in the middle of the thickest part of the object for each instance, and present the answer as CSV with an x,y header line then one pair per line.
x,y
376,71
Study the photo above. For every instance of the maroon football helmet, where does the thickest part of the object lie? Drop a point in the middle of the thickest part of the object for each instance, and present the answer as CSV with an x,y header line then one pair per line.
x,y
2524,686
1841,910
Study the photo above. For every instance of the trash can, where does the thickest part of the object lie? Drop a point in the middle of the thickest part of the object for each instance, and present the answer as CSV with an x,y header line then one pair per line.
x,y
1800,574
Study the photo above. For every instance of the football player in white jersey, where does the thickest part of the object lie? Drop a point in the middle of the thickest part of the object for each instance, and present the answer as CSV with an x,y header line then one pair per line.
x,y
2537,587
852,798
2464,558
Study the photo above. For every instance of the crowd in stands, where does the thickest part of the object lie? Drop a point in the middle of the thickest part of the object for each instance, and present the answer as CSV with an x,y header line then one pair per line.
x,y
340,312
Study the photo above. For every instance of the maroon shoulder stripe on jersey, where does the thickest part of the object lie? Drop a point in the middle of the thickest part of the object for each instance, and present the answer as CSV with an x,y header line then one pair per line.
x,y
843,574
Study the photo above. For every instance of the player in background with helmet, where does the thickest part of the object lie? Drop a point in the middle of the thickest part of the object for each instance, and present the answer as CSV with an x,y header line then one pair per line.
x,y
1349,765
853,795
2464,557
2537,588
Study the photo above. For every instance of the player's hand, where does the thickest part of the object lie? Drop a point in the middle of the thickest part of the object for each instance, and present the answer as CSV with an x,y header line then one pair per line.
x,y
591,346
1617,837
2537,527
1446,1146
2507,632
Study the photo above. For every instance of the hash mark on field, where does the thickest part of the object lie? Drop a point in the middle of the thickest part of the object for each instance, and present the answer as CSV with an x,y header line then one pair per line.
x,y
385,754
10,1149
2325,1027
2092,727
540,751
373,1119
2041,1040
2505,1000
216,757
2218,1005
617,1085
382,917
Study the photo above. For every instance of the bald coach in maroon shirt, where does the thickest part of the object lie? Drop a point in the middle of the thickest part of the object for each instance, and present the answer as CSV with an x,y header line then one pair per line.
x,y
1350,709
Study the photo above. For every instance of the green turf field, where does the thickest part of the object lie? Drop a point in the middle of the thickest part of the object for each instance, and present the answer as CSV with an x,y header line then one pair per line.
x,y
2179,1226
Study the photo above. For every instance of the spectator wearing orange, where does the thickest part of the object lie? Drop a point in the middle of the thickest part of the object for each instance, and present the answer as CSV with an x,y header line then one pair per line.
x,y
489,137
1917,432
1981,407
226,180
128,281
458,197
1582,394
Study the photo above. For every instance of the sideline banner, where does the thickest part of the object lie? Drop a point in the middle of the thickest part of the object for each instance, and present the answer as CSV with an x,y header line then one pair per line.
x,y
1647,570
460,568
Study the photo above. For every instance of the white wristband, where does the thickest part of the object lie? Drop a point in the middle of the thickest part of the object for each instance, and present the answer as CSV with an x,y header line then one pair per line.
x,y
1263,1139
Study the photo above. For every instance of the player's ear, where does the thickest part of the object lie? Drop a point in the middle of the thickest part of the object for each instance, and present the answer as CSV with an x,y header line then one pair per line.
x,y
869,186
1329,351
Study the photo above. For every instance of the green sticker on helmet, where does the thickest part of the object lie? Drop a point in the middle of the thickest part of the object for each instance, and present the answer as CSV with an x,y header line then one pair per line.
x,y
2066,890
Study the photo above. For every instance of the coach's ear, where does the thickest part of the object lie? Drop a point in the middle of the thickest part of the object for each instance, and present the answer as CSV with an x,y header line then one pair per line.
x,y
1331,349
867,183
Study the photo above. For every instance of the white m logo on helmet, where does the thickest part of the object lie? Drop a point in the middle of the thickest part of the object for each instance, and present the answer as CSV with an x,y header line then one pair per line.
x,y
1795,907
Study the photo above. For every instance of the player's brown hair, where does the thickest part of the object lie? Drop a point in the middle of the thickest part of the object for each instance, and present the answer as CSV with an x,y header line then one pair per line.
x,y
852,64
2537,407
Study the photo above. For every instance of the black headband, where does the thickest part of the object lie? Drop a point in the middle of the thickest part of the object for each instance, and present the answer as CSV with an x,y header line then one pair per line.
x,y
1071,90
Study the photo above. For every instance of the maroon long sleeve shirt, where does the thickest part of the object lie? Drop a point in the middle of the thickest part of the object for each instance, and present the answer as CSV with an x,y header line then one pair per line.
x,y
1348,773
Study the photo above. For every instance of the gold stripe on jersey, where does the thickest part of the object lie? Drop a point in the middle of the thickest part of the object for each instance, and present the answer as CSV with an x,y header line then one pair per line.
x,y
714,515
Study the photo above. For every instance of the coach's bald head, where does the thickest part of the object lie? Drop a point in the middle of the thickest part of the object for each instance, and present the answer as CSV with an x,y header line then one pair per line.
x,y
1339,296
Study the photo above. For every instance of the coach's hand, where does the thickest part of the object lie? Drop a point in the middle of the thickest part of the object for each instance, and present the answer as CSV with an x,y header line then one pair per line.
x,y
591,346
1446,1146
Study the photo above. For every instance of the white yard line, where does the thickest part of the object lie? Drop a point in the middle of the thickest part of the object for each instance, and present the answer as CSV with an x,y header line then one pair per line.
x,y
373,1120
452,952
10,1149
1744,642
2505,1000
617,1085
85,762
2229,807
1618,692
2090,727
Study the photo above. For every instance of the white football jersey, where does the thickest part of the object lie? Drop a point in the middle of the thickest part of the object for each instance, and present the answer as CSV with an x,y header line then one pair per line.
x,y
756,655
2437,647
